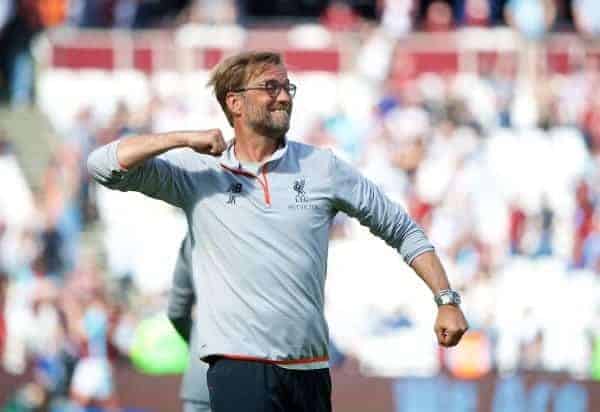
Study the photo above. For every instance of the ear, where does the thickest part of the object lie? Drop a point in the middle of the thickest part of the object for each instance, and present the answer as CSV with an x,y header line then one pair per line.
x,y
234,103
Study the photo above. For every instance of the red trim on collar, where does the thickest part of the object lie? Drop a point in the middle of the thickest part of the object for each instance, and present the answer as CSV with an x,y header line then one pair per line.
x,y
263,182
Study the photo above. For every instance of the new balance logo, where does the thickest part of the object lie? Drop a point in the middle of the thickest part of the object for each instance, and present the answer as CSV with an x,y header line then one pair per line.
x,y
234,190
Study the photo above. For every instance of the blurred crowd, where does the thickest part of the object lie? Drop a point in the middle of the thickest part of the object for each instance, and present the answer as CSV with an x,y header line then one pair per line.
x,y
60,321
22,20
501,167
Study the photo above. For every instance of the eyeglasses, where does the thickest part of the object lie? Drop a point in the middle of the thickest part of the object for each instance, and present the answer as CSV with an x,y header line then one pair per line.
x,y
273,88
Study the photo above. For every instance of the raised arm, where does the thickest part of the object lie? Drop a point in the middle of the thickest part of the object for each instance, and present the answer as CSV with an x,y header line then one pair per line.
x,y
140,163
133,151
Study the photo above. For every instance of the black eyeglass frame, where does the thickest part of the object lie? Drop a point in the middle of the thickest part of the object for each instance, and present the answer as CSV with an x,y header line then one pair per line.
x,y
273,88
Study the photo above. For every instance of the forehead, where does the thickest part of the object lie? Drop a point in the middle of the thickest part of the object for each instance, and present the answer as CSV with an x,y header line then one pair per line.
x,y
272,72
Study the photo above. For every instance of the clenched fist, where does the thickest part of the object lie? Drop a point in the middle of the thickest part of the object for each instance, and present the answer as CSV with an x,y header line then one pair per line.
x,y
208,142
450,325
134,150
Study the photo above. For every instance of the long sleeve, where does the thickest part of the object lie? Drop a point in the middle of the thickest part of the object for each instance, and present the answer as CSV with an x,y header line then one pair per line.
x,y
163,177
358,197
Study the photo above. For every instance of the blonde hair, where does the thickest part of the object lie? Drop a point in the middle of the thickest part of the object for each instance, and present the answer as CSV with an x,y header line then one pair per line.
x,y
236,71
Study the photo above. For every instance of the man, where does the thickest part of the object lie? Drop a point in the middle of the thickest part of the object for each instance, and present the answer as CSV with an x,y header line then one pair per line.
x,y
194,390
259,212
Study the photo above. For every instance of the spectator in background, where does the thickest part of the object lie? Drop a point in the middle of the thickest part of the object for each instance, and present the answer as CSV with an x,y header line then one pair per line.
x,y
52,12
82,138
117,126
62,186
395,147
46,337
586,16
132,14
590,256
7,10
150,13
124,12
468,12
16,62
213,12
397,17
531,347
339,16
532,18
591,122
502,80
91,327
474,13
92,382
89,13
20,21
438,17
545,227
584,215
516,230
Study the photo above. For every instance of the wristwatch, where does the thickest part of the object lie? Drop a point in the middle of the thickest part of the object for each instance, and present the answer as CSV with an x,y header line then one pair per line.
x,y
447,297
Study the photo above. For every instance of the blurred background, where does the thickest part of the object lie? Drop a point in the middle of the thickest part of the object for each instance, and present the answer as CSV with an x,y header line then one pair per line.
x,y
481,117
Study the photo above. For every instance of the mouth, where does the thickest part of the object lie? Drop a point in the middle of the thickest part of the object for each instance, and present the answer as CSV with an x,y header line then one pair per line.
x,y
280,108
281,113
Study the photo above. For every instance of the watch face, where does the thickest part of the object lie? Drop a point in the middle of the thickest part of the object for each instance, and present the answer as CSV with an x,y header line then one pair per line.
x,y
448,298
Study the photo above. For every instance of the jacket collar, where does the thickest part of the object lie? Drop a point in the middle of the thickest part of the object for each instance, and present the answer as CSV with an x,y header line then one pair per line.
x,y
229,161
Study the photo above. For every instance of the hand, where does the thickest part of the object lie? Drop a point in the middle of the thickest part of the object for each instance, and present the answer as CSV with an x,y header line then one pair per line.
x,y
208,142
450,325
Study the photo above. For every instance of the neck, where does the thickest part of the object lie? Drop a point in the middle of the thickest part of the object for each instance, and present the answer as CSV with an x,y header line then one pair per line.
x,y
252,147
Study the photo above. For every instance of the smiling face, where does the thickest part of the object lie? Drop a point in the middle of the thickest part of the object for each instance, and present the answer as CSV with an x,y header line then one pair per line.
x,y
266,105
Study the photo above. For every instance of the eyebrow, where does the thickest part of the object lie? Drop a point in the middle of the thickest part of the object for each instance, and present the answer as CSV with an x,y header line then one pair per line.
x,y
287,81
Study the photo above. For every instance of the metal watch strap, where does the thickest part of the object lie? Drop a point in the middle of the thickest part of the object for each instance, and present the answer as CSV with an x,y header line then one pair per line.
x,y
447,297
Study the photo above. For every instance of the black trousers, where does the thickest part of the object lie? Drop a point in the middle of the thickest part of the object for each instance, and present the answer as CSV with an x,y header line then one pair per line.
x,y
237,385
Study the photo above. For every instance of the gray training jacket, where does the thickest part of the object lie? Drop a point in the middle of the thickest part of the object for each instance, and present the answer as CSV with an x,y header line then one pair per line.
x,y
260,241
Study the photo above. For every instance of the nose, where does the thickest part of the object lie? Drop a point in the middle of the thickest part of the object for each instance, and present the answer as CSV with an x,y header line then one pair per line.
x,y
283,95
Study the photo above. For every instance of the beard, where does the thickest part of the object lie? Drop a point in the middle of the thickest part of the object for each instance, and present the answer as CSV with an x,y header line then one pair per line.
x,y
271,122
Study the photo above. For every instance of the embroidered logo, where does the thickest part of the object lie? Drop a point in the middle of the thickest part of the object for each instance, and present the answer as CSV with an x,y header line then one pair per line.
x,y
302,201
299,189
234,190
